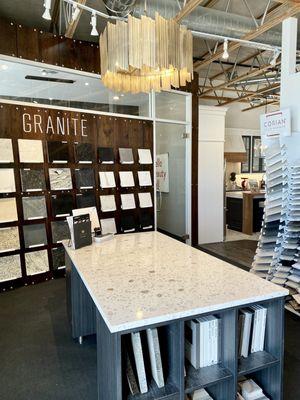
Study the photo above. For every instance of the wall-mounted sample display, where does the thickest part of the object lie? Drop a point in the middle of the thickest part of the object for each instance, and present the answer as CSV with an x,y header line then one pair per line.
x,y
146,220
6,151
62,204
36,262
32,180
30,151
58,257
84,153
86,199
107,179
126,156
7,180
144,178
108,203
106,155
145,156
9,239
84,178
60,178
8,210
145,200
108,225
127,201
34,235
60,231
10,268
34,207
127,223
58,152
126,179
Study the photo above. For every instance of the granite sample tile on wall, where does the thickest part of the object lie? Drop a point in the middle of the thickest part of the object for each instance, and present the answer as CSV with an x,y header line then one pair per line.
x,y
35,235
106,155
126,179
145,156
8,210
60,178
108,203
60,231
84,178
127,201
86,199
145,200
7,180
107,179
84,153
6,151
126,156
10,268
30,151
32,180
9,239
62,204
146,220
58,258
58,152
144,178
36,262
34,207
108,225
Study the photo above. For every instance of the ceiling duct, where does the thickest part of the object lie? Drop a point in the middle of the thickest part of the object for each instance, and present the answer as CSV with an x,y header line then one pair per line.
x,y
207,20
120,8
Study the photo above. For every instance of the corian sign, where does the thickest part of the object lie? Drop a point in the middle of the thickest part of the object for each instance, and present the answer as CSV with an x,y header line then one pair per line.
x,y
276,124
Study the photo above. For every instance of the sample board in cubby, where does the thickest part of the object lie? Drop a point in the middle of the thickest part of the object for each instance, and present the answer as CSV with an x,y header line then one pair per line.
x,y
53,161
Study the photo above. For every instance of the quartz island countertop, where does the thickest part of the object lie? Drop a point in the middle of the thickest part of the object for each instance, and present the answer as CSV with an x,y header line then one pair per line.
x,y
140,279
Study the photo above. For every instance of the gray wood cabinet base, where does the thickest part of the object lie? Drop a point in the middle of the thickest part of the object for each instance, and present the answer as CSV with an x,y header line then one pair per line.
x,y
266,367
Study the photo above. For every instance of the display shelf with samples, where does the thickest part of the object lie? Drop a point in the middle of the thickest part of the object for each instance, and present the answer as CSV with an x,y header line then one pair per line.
x,y
51,162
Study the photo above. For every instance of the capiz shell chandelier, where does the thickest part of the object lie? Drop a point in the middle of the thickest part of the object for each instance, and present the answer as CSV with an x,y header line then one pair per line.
x,y
139,55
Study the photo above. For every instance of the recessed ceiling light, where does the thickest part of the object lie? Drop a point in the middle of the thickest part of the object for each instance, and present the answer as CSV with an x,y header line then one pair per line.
x,y
3,67
116,98
86,83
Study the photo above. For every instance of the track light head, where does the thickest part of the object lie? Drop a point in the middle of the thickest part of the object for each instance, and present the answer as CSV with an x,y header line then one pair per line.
x,y
75,12
46,15
93,22
225,55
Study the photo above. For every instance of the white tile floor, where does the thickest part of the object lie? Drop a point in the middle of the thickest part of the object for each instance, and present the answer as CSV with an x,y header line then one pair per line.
x,y
235,235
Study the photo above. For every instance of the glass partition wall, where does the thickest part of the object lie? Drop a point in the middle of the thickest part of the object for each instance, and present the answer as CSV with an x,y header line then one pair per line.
x,y
52,86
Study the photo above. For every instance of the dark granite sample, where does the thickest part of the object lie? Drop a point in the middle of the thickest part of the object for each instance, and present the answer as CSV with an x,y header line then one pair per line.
x,y
60,231
84,152
34,207
86,199
35,235
32,179
146,220
58,257
127,222
58,152
62,204
84,178
106,155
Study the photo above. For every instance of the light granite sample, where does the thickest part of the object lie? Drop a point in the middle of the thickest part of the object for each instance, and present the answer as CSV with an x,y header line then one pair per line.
x,y
9,239
148,278
36,262
35,235
58,257
34,207
8,210
145,200
30,151
60,231
60,178
33,180
6,151
7,180
10,268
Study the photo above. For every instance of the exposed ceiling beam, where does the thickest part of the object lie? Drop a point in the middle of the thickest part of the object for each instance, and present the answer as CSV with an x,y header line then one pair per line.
x,y
220,98
261,105
73,25
188,9
276,17
254,94
246,76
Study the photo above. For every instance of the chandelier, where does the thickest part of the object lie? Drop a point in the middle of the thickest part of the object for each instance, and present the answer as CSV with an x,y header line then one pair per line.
x,y
140,55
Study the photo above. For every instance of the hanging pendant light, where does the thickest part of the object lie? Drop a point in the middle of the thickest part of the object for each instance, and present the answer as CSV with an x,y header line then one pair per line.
x,y
140,55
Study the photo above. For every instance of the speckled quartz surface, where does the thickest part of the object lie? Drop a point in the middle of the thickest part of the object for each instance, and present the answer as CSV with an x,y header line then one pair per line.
x,y
146,278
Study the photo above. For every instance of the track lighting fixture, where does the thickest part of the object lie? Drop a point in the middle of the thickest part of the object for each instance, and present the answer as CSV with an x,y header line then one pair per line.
x,y
75,12
93,22
46,14
225,55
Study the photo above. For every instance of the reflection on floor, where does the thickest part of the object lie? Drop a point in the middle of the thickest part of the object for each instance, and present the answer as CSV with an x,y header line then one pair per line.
x,y
235,235
238,252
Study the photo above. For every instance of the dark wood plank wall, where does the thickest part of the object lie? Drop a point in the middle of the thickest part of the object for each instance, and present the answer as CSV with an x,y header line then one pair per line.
x,y
102,131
